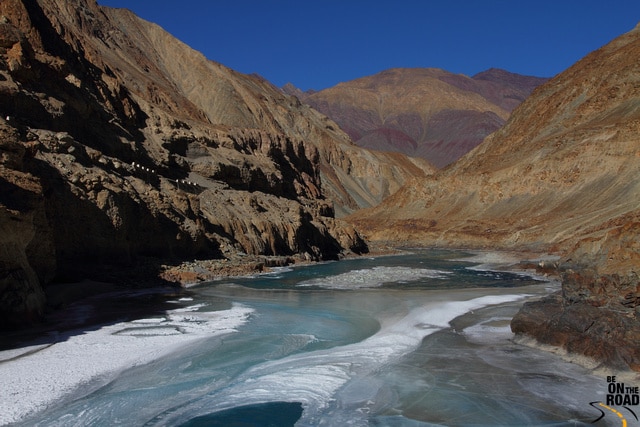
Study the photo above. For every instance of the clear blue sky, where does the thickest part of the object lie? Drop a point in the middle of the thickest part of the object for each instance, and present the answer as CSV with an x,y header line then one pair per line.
x,y
316,44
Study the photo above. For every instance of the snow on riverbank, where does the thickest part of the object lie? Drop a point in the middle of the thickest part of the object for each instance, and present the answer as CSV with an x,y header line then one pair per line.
x,y
34,377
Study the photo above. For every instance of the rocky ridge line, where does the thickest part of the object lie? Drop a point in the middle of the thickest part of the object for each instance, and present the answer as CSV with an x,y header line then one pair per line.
x,y
422,112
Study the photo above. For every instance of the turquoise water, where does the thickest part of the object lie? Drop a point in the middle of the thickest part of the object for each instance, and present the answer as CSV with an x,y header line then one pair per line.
x,y
411,340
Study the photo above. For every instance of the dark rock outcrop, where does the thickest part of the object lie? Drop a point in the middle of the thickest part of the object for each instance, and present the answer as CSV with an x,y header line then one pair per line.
x,y
26,253
596,316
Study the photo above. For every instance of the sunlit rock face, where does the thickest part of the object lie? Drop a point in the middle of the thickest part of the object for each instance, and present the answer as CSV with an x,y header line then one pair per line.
x,y
120,145
422,112
560,176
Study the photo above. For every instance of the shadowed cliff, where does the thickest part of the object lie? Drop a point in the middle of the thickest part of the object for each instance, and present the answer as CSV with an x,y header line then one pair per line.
x,y
122,149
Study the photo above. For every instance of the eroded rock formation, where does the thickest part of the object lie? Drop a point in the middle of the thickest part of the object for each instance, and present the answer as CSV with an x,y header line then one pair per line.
x,y
122,148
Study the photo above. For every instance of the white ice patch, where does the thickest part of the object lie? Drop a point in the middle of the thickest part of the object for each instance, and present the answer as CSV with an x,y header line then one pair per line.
x,y
315,378
33,380
183,299
277,271
374,277
491,331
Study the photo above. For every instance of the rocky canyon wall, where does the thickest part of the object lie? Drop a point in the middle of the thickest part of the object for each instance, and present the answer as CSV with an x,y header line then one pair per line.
x,y
121,148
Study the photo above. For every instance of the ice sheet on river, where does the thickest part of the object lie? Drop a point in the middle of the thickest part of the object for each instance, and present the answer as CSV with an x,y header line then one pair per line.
x,y
339,377
374,277
39,375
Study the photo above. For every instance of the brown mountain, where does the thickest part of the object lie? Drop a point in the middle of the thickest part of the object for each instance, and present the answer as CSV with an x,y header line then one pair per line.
x,y
422,112
562,176
121,146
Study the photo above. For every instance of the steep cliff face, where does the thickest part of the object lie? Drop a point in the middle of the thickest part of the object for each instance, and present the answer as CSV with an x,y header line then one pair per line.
x,y
423,112
230,99
561,175
120,144
25,253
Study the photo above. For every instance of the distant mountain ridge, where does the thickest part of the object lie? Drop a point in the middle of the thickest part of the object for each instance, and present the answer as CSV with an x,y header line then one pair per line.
x,y
422,112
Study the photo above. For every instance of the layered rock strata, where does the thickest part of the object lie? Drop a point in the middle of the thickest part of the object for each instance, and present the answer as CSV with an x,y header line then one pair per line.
x,y
121,148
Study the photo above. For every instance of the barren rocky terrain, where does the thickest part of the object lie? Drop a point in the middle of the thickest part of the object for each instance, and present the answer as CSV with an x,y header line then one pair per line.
x,y
561,176
122,149
422,112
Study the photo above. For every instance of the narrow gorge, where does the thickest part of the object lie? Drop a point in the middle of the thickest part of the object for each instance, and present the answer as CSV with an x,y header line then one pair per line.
x,y
125,154
123,149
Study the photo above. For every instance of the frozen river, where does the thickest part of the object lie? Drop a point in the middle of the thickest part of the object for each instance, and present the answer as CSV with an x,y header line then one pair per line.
x,y
419,339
